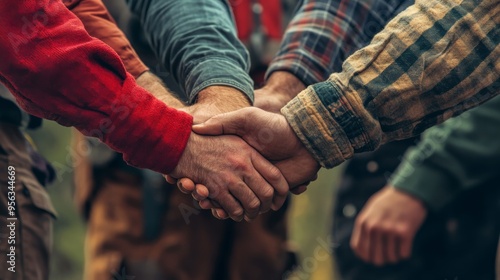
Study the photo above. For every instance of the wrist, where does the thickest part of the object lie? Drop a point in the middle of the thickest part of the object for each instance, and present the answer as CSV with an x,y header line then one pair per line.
x,y
225,96
155,86
416,201
284,84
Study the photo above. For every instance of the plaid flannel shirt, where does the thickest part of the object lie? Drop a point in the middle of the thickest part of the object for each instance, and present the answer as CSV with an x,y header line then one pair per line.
x,y
433,61
323,33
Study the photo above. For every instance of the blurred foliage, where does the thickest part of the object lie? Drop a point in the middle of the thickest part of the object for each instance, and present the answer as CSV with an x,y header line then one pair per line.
x,y
310,216
310,227
53,141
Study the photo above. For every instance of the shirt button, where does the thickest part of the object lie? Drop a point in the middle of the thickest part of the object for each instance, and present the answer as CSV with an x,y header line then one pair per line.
x,y
349,211
257,8
372,166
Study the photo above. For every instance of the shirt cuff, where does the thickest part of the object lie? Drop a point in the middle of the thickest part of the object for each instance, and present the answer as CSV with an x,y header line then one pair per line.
x,y
322,134
428,183
305,69
217,72
148,133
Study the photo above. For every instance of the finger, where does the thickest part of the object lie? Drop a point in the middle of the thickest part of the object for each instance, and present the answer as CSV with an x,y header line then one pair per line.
x,y
299,190
363,243
246,195
221,213
171,180
368,240
185,185
229,203
210,204
314,178
228,123
391,252
197,197
206,204
275,179
202,191
405,245
214,213
377,248
356,236
217,205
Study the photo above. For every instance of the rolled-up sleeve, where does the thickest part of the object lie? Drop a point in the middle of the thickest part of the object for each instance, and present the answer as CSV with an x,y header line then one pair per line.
x,y
57,71
433,61
197,42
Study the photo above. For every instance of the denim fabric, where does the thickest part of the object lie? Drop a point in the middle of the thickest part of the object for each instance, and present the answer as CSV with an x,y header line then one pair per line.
x,y
197,43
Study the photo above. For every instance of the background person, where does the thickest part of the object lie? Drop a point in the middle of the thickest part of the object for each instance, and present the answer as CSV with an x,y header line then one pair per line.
x,y
446,190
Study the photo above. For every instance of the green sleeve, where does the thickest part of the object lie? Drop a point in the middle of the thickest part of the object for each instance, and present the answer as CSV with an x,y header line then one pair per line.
x,y
460,154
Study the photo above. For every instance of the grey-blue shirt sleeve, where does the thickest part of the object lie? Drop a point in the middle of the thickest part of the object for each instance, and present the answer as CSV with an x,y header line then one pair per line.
x,y
196,41
459,154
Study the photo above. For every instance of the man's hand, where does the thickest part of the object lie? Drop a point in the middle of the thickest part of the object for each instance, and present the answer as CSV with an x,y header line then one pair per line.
x,y
269,134
280,88
238,178
386,227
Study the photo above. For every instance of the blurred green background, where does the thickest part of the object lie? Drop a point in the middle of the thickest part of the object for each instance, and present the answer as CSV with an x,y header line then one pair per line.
x,y
310,217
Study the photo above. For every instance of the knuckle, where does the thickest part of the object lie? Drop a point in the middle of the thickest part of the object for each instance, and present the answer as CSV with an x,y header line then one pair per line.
x,y
268,193
371,227
216,192
239,164
237,212
402,231
254,205
231,180
386,229
359,222
274,174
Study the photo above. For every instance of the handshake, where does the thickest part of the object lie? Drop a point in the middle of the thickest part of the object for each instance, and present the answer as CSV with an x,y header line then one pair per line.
x,y
242,161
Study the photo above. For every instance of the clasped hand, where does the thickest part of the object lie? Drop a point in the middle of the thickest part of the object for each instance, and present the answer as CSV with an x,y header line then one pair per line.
x,y
232,171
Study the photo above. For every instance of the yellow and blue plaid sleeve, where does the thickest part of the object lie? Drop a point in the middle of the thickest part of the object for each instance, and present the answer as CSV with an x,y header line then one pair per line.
x,y
433,61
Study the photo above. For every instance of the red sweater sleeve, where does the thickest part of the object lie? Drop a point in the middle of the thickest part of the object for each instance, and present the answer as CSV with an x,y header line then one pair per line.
x,y
57,71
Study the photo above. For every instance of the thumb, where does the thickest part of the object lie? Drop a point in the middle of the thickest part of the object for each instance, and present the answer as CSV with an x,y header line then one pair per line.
x,y
228,123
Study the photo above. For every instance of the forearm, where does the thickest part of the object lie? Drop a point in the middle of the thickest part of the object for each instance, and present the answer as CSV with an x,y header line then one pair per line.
x,y
197,42
312,49
57,71
280,88
323,33
158,89
99,23
387,91
460,154
284,84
